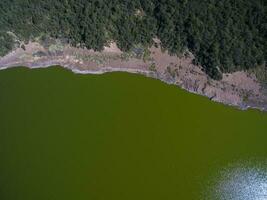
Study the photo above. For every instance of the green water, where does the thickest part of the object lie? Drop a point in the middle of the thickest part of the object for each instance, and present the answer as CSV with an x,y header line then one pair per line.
x,y
116,136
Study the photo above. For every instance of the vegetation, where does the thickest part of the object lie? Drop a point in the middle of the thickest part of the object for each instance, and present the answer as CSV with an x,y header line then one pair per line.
x,y
260,72
224,35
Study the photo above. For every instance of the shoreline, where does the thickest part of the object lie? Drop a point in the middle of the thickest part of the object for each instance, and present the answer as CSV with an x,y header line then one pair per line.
x,y
148,74
238,89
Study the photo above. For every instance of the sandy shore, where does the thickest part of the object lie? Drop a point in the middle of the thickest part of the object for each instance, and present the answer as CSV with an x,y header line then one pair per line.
x,y
239,89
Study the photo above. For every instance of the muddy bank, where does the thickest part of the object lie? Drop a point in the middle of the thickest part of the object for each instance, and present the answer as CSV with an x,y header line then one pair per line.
x,y
240,89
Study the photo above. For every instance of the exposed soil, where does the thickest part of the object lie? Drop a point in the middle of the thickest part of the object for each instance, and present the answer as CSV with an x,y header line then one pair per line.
x,y
240,89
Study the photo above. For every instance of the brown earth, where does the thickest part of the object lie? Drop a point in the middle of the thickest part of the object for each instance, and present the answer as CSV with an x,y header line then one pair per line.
x,y
240,89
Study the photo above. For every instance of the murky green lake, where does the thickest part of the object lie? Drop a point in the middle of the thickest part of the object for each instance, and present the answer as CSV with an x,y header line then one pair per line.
x,y
121,136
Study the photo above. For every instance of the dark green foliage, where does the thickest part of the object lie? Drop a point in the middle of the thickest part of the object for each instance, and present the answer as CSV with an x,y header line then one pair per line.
x,y
6,43
224,35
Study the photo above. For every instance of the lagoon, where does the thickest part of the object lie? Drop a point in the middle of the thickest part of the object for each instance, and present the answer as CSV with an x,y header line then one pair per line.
x,y
123,136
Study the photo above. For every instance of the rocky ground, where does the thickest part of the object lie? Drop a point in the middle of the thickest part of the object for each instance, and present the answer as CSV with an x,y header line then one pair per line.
x,y
240,89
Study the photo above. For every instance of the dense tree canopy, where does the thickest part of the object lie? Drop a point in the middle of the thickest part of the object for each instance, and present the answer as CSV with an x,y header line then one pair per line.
x,y
224,35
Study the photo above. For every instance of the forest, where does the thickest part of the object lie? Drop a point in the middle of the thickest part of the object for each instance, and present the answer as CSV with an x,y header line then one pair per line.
x,y
223,35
